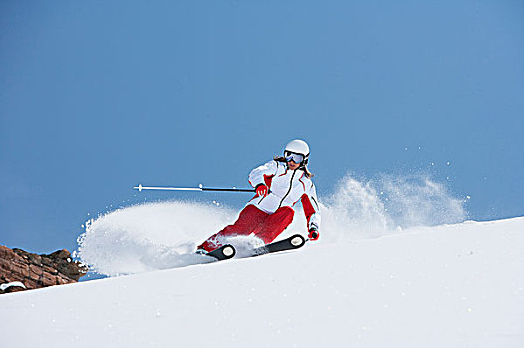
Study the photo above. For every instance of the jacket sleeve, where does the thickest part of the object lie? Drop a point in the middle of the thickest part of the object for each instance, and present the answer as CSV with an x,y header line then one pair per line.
x,y
311,207
258,175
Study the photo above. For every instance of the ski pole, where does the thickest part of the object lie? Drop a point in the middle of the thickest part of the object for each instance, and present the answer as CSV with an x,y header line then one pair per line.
x,y
199,188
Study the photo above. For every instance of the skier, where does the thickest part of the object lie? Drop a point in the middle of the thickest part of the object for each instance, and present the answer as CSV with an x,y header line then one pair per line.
x,y
279,185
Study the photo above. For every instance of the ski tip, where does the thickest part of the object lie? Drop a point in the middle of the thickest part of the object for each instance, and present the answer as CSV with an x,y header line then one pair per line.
x,y
229,251
297,241
223,253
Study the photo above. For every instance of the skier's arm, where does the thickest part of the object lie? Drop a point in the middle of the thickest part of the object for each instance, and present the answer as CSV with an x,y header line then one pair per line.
x,y
258,175
312,211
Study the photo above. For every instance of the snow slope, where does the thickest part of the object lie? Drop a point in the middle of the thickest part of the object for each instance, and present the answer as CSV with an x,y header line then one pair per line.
x,y
456,285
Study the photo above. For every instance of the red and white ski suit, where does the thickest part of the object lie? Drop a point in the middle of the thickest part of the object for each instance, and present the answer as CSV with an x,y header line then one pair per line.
x,y
268,216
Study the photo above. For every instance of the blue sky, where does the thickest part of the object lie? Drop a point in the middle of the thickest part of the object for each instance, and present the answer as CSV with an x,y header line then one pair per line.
x,y
98,96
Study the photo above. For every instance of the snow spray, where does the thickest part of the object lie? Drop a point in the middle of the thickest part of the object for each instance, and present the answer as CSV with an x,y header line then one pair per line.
x,y
161,235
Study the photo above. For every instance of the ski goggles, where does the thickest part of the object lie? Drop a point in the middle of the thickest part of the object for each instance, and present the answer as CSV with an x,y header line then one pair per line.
x,y
294,157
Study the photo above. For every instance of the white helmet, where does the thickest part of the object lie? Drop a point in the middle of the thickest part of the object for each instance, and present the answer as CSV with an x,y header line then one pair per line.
x,y
299,147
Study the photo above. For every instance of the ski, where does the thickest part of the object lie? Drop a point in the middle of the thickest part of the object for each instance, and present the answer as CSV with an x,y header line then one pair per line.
x,y
294,242
223,253
228,251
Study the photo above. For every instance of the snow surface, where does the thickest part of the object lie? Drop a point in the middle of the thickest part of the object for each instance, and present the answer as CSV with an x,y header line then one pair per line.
x,y
456,285
5,286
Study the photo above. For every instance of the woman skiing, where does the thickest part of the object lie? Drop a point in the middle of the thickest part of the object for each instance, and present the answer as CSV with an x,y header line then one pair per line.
x,y
279,185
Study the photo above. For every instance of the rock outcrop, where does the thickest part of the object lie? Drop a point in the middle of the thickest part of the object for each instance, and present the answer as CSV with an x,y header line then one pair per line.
x,y
37,271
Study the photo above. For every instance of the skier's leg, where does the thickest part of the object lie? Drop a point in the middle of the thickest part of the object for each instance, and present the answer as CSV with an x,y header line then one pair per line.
x,y
275,224
248,220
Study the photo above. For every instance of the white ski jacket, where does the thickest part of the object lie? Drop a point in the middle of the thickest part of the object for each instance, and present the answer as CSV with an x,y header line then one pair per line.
x,y
286,188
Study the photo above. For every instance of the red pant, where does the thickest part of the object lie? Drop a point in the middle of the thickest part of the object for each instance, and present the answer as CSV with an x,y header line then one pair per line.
x,y
253,220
